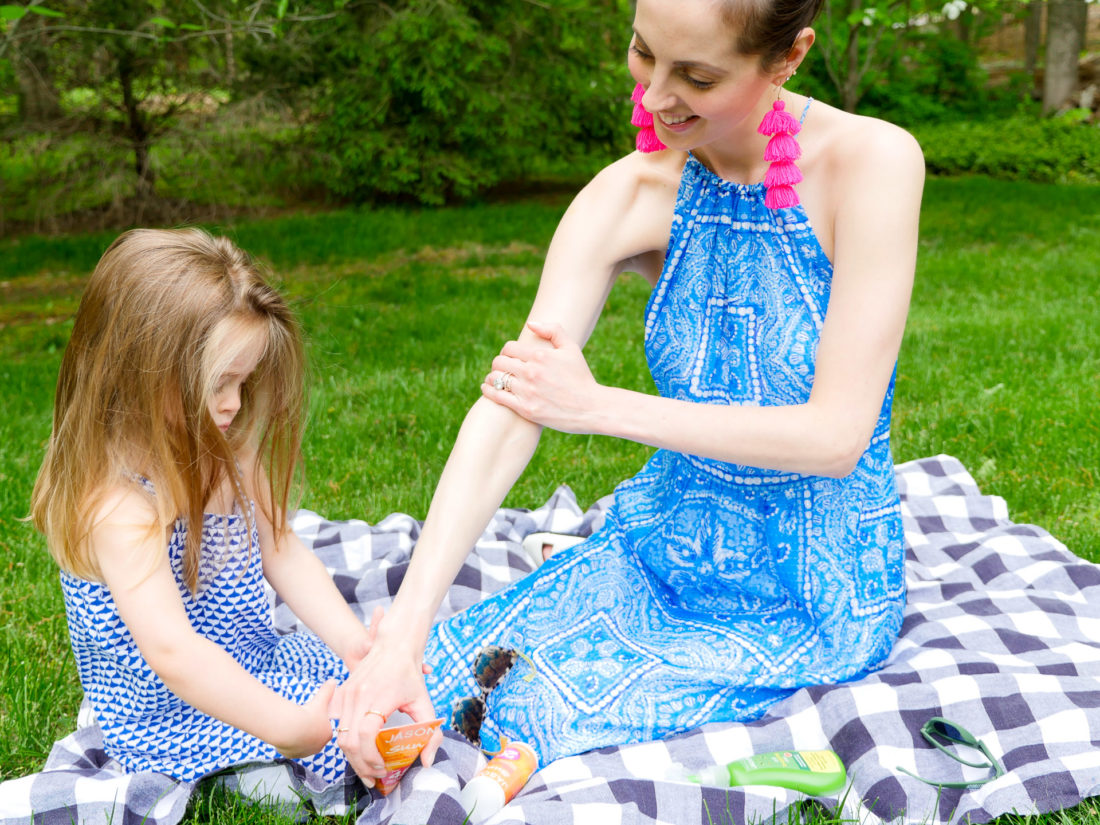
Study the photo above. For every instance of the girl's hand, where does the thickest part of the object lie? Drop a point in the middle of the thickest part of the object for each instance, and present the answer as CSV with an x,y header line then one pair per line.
x,y
549,386
311,729
360,646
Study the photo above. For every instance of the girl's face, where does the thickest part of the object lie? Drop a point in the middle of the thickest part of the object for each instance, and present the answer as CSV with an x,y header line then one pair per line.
x,y
698,87
225,401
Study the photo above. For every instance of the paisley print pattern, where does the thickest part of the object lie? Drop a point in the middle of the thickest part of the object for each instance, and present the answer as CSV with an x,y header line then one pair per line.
x,y
713,589
146,726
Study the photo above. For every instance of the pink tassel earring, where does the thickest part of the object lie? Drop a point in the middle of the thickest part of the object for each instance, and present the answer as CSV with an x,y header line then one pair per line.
x,y
782,151
647,140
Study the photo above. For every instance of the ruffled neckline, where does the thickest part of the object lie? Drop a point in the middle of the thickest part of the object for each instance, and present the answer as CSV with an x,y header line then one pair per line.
x,y
753,193
704,171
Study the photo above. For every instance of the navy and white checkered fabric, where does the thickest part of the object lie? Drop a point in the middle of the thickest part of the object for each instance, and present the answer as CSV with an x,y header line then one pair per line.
x,y
1001,635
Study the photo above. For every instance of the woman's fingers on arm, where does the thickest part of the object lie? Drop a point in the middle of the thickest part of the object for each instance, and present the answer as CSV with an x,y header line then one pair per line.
x,y
554,333
318,708
361,646
505,364
504,399
514,349
335,703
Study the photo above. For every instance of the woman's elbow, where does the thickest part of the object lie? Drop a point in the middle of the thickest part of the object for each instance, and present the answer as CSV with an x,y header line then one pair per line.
x,y
840,451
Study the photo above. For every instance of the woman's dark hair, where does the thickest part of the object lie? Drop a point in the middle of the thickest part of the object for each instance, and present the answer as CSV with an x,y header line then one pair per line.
x,y
769,27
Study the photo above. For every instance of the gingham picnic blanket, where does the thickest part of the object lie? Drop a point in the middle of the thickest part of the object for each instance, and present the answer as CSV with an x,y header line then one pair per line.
x,y
1001,635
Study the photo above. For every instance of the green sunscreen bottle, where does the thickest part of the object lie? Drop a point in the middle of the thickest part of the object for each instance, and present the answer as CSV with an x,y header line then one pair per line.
x,y
817,773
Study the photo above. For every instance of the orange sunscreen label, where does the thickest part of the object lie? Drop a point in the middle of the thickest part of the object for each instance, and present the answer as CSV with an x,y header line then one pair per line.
x,y
511,768
399,747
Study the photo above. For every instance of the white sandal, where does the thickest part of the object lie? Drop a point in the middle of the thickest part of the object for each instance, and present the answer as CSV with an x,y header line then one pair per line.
x,y
541,546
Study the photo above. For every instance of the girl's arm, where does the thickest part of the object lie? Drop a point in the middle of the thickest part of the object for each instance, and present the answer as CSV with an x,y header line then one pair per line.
x,y
623,215
300,578
875,242
131,557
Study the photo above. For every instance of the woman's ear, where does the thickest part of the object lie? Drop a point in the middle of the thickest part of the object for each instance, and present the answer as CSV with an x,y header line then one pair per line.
x,y
797,53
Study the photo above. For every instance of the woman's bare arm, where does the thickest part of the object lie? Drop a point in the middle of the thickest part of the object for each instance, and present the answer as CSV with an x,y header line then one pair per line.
x,y
874,241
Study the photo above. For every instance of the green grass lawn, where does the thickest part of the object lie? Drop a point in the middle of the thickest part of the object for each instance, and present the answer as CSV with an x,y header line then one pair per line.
x,y
404,311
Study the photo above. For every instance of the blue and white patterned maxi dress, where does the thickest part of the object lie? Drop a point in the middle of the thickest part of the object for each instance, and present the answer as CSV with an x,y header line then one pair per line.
x,y
712,590
145,726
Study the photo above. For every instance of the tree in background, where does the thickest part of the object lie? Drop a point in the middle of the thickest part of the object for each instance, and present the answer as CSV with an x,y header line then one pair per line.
x,y
903,49
440,99
915,47
1066,22
39,102
423,100
127,106
113,77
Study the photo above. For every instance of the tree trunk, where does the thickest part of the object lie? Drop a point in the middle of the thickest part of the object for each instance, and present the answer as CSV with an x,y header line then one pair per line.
x,y
38,101
1083,22
964,26
137,130
1033,37
1063,52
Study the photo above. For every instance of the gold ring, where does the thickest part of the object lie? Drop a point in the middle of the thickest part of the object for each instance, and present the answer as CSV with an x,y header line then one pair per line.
x,y
376,713
342,730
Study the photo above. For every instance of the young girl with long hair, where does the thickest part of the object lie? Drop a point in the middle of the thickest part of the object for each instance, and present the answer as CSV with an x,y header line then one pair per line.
x,y
163,497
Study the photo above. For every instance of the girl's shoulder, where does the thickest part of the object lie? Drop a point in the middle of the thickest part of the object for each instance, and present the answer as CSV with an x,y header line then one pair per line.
x,y
127,503
132,495
120,514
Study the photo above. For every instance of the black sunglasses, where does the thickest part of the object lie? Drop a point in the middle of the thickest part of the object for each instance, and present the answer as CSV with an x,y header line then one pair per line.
x,y
936,729
490,666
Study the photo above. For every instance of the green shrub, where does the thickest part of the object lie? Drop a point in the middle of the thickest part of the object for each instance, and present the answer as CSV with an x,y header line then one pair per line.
x,y
44,175
228,161
1054,150
439,100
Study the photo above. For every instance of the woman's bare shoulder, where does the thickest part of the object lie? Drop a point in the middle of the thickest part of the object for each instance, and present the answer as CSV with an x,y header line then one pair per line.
x,y
641,174
857,145
631,202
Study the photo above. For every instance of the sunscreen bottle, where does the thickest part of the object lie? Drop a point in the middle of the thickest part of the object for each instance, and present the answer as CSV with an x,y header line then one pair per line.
x,y
494,785
817,773
399,746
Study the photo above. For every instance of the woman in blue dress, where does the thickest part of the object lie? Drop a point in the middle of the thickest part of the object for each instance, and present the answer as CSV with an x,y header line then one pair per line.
x,y
760,549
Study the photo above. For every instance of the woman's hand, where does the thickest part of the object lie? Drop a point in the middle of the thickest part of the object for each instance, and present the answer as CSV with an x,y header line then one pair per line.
x,y
390,677
310,728
551,386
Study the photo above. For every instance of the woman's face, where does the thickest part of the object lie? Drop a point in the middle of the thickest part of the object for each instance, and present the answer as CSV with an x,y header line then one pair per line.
x,y
698,87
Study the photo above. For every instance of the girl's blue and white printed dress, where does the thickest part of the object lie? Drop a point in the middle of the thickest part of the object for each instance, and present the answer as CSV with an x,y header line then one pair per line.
x,y
146,726
713,589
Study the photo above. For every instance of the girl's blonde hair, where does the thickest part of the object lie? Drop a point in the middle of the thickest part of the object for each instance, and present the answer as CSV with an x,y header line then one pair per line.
x,y
164,313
